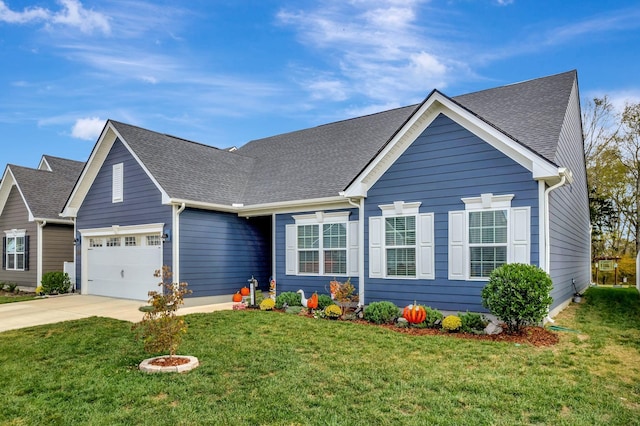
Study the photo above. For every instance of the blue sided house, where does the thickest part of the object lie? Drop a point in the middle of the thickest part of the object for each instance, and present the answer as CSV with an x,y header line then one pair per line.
x,y
416,203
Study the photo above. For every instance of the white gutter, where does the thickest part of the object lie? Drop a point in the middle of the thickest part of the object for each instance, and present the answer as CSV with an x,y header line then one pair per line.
x,y
175,258
361,275
41,225
565,177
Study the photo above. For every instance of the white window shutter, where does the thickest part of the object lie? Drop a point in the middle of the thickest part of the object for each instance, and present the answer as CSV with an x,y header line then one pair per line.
x,y
117,183
520,250
426,247
457,245
375,247
354,244
290,258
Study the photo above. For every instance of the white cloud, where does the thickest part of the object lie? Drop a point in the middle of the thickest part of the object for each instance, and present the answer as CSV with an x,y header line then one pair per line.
x,y
27,15
378,49
87,128
73,14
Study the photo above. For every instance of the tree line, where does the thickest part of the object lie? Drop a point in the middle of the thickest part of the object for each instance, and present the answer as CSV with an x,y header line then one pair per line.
x,y
612,156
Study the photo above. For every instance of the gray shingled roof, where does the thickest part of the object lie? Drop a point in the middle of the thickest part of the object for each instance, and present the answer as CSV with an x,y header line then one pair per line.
x,y
321,161
189,170
46,191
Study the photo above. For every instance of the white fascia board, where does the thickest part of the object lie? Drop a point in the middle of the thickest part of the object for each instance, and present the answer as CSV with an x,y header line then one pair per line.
x,y
90,171
55,221
165,196
12,182
329,203
6,184
202,205
44,164
438,103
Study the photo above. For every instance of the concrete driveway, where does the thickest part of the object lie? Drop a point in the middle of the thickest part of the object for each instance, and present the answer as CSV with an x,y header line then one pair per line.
x,y
75,306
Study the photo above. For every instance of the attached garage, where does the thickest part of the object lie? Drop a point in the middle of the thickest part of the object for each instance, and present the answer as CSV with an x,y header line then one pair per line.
x,y
121,261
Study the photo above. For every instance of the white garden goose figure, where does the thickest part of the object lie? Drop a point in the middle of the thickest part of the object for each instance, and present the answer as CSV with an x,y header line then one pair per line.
x,y
303,299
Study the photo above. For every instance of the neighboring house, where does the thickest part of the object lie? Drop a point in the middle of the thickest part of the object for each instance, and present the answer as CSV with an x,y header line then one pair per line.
x,y
35,239
416,203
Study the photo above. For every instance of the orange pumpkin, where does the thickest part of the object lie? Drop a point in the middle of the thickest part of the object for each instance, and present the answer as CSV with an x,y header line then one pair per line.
x,y
312,303
237,297
245,291
414,314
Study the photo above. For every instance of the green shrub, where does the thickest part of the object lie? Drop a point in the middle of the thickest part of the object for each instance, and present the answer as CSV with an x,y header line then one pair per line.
x,y
472,322
55,282
518,294
324,300
381,312
451,323
1,285
11,287
434,317
267,304
290,298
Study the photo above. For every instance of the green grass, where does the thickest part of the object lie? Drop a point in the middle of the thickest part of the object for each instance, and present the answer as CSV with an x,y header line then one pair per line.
x,y
272,368
20,298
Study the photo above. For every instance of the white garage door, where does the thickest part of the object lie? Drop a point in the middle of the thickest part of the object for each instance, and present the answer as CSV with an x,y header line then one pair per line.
x,y
123,266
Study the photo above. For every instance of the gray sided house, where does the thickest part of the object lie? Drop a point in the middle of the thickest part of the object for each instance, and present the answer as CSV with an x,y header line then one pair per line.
x,y
35,239
417,203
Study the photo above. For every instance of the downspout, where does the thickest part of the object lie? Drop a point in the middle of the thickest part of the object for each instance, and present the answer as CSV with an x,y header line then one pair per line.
x,y
360,207
563,172
75,256
40,238
176,243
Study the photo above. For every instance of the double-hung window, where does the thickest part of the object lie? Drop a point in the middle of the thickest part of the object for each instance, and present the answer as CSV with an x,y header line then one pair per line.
x,y
15,251
486,235
400,246
487,242
322,244
401,242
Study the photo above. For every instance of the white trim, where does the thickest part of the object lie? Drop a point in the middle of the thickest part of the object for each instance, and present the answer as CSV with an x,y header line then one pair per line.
x,y
542,229
400,208
435,104
15,233
39,250
321,217
488,201
44,164
95,162
150,228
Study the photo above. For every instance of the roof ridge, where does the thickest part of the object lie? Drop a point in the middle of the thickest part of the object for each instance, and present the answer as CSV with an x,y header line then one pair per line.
x,y
167,135
516,83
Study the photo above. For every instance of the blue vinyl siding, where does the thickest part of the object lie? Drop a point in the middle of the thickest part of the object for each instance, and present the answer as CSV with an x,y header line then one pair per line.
x,y
142,201
219,252
309,284
444,164
569,214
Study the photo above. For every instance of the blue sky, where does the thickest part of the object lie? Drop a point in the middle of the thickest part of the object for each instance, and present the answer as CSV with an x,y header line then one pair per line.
x,y
226,72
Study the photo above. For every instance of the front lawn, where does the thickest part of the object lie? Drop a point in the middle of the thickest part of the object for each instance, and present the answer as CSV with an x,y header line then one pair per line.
x,y
10,297
275,368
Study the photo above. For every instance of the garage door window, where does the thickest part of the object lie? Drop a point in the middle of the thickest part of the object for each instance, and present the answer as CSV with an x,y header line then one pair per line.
x,y
153,240
130,241
95,242
113,242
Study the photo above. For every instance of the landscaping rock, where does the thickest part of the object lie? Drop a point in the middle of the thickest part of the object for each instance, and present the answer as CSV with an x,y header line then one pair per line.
x,y
492,328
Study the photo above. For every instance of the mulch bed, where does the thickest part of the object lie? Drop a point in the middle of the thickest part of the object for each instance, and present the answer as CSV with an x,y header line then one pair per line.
x,y
535,336
170,361
16,294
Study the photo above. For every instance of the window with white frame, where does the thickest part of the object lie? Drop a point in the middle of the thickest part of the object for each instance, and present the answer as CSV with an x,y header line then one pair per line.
x,y
131,241
113,242
322,244
400,246
15,250
401,242
487,242
95,242
487,234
